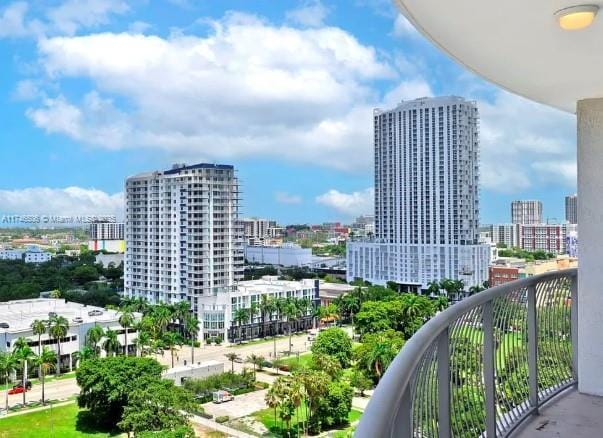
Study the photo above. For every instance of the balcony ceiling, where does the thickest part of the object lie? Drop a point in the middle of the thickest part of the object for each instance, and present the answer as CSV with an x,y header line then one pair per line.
x,y
518,45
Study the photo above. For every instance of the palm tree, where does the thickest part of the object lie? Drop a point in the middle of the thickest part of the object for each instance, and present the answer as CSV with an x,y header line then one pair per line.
x,y
111,344
232,357
38,328
297,392
280,305
241,316
162,316
58,328
126,320
291,312
273,399
256,361
433,287
85,353
8,364
45,361
267,307
23,353
381,355
94,336
181,310
142,340
191,324
441,303
170,340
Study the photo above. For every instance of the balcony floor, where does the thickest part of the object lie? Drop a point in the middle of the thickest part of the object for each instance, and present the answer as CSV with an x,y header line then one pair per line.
x,y
571,414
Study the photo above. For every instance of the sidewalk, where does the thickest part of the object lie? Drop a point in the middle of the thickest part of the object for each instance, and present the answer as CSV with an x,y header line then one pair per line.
x,y
212,425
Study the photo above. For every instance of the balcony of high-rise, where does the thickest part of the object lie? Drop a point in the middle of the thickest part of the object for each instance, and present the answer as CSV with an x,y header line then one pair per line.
x,y
521,359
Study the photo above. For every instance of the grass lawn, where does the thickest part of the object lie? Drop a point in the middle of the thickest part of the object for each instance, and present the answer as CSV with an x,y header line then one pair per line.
x,y
267,340
266,417
302,361
65,421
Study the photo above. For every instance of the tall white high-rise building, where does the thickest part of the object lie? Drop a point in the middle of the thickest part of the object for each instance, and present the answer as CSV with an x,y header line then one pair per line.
x,y
184,240
571,209
526,212
426,196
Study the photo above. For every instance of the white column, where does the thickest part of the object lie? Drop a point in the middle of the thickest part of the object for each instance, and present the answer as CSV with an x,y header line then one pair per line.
x,y
590,229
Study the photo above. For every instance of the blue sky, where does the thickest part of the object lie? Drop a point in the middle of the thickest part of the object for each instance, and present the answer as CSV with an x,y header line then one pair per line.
x,y
92,91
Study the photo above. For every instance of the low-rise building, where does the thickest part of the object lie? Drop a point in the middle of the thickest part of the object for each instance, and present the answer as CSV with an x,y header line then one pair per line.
x,y
16,318
200,370
328,292
507,269
31,254
288,254
217,313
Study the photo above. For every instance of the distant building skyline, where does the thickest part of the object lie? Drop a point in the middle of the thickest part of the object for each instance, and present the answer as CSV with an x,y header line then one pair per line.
x,y
526,212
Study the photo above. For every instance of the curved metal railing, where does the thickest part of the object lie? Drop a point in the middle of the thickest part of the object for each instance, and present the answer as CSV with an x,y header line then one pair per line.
x,y
482,366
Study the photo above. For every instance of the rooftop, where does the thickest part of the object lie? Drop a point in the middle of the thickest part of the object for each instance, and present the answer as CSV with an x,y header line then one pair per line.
x,y
271,283
20,314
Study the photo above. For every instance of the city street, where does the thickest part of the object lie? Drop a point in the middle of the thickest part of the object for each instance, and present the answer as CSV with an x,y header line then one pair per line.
x,y
66,388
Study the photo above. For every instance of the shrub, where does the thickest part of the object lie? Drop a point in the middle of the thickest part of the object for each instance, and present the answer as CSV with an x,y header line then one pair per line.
x,y
334,342
222,419
218,340
208,341
203,388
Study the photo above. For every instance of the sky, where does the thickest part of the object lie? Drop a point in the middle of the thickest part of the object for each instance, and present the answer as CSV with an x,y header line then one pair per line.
x,y
92,91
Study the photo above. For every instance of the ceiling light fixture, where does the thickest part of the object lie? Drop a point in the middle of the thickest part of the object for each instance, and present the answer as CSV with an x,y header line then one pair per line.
x,y
576,17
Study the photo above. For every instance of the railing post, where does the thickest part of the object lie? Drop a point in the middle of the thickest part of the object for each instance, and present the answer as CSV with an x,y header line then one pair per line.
x,y
574,325
533,348
488,370
402,426
443,360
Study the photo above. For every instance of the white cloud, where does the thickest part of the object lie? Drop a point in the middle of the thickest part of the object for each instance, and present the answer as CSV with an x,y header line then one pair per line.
x,y
403,27
72,15
287,198
26,90
139,27
349,204
407,90
70,201
247,89
66,18
311,14
519,137
564,172
96,118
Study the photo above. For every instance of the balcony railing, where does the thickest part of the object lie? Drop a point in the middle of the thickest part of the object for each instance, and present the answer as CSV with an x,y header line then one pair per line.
x,y
483,366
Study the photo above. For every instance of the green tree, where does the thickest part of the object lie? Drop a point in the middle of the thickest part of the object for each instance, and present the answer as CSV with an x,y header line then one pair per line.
x,y
377,351
191,324
334,407
267,308
58,328
359,381
156,405
111,344
8,364
291,312
45,362
94,336
255,360
23,353
126,320
171,340
334,342
326,363
241,316
38,328
232,357
105,384
84,274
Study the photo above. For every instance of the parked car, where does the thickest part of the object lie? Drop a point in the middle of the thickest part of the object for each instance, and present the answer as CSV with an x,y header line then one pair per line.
x,y
78,320
4,325
95,313
18,388
222,397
